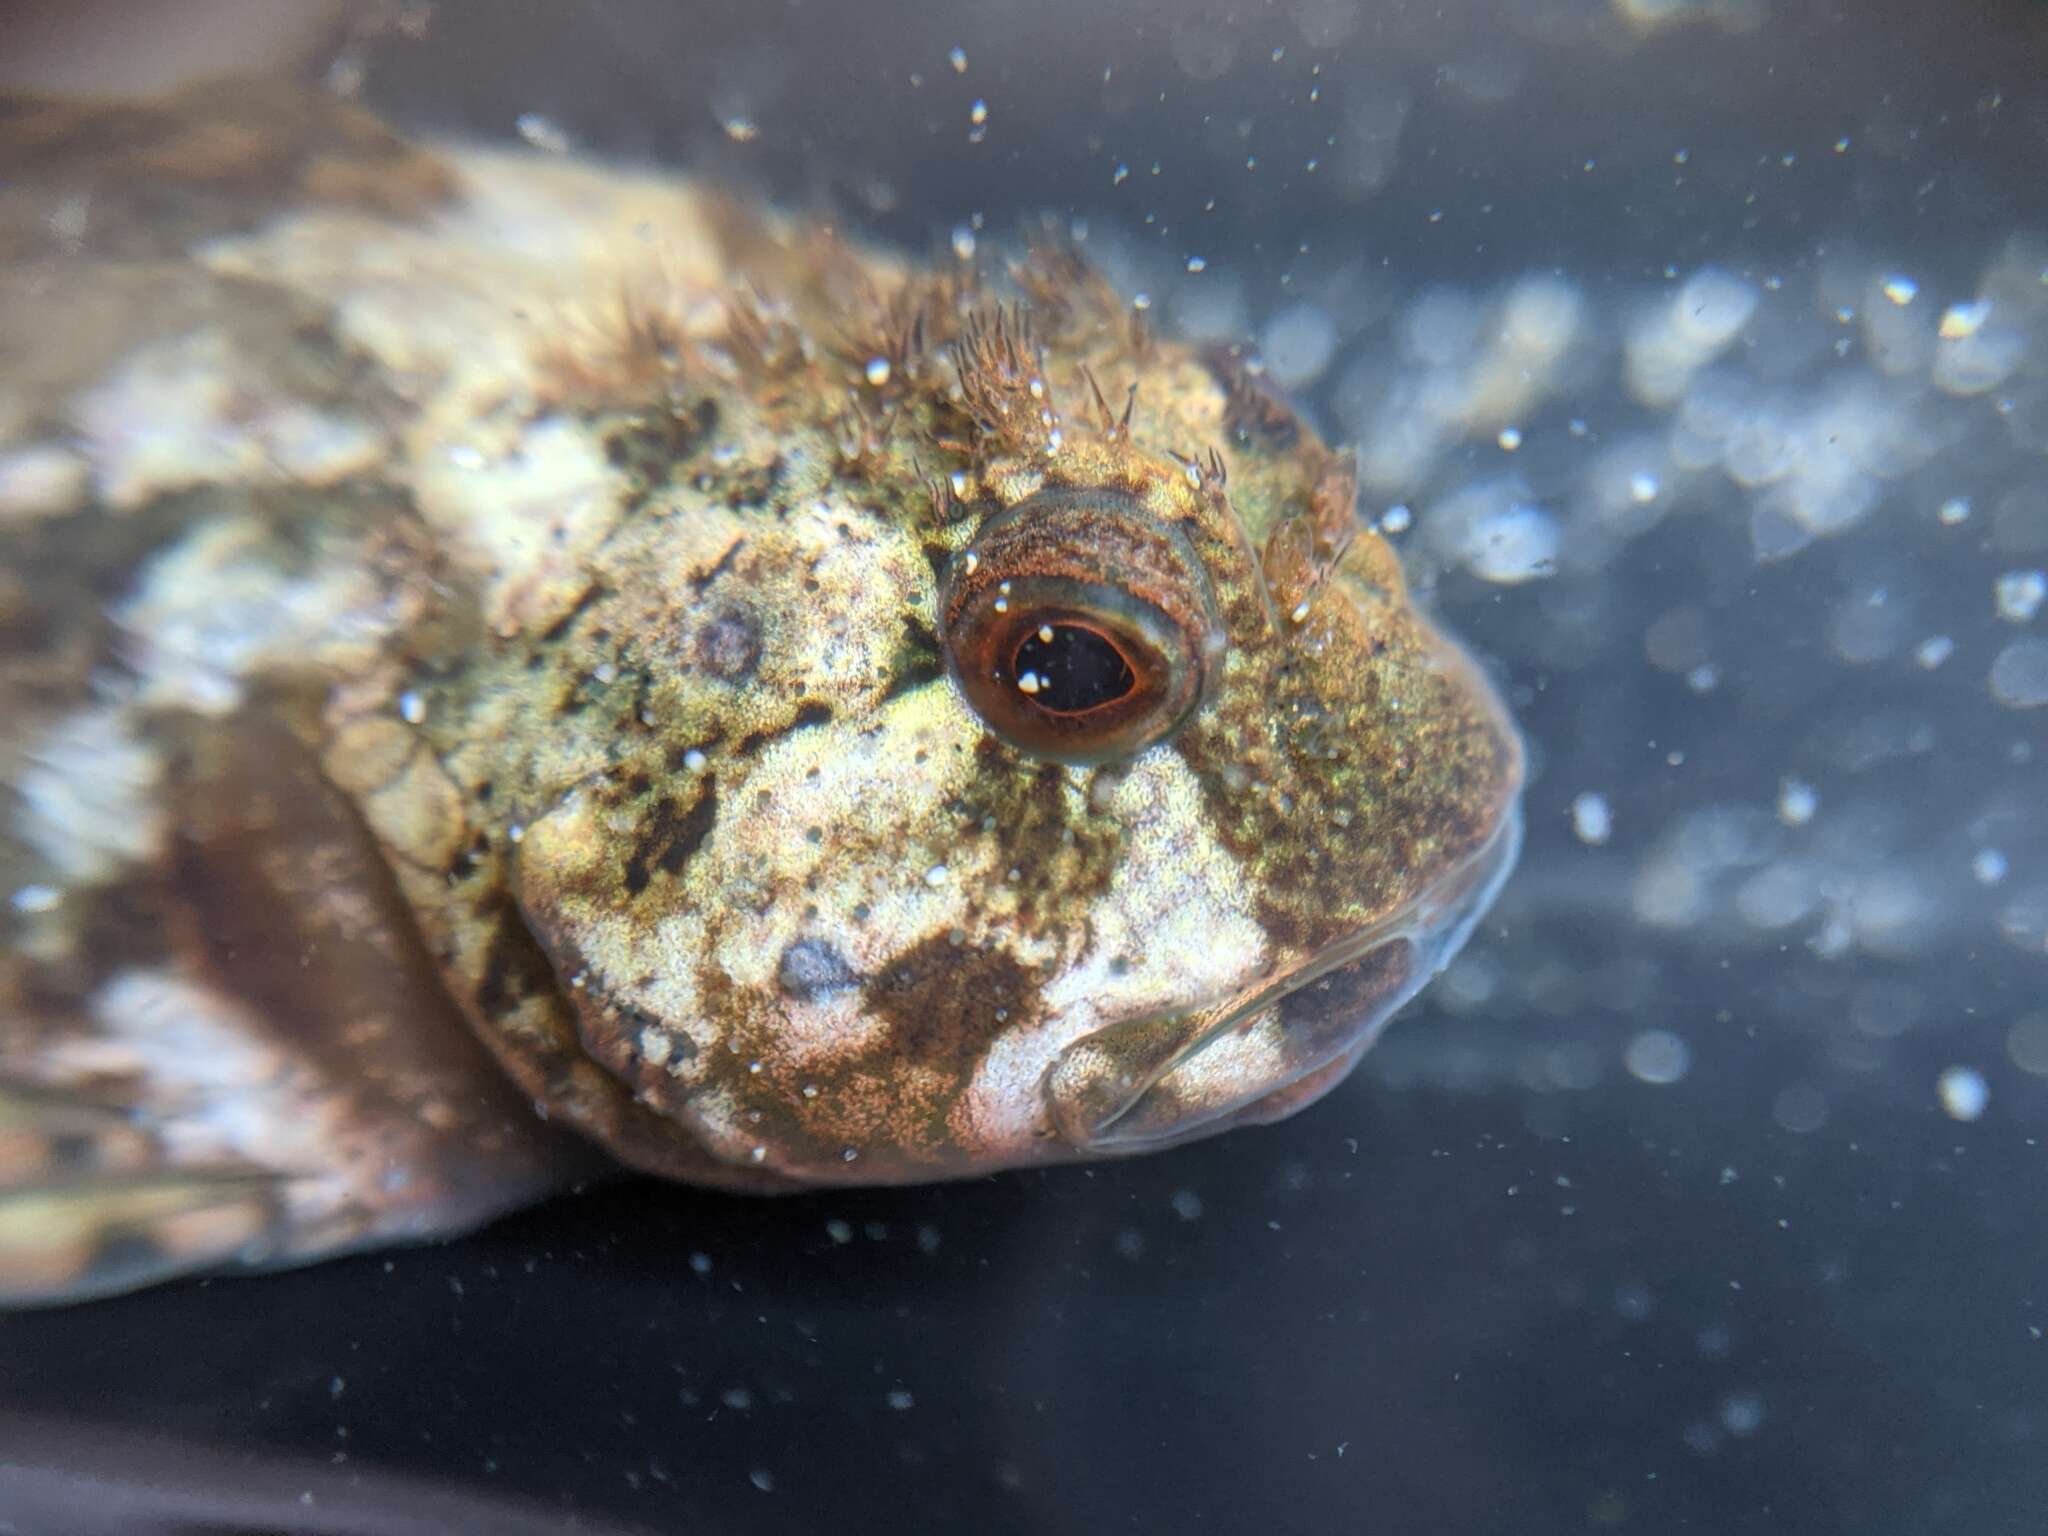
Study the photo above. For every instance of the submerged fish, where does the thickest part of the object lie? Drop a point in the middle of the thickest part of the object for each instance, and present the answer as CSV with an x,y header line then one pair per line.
x,y
502,658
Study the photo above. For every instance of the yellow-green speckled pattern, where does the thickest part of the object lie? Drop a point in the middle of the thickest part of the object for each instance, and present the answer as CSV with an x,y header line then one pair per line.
x,y
463,585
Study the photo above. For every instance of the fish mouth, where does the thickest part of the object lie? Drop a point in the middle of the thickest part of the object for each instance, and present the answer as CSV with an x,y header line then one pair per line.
x,y
1278,1045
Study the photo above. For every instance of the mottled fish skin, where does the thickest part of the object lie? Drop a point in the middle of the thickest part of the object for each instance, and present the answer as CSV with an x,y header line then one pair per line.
x,y
480,630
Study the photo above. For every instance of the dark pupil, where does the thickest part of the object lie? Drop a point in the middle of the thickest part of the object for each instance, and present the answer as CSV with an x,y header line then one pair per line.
x,y
1075,670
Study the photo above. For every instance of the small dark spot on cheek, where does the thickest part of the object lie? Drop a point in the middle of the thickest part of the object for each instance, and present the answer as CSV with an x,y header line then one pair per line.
x,y
729,647
812,970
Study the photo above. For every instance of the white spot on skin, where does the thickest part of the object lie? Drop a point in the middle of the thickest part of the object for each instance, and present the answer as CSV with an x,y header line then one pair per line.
x,y
42,480
189,411
218,607
87,797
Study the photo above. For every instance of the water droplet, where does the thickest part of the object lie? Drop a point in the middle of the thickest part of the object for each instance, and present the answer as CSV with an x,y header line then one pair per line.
x,y
1592,821
1797,801
1742,1413
1657,1056
541,133
2019,595
1963,1092
1961,321
2019,675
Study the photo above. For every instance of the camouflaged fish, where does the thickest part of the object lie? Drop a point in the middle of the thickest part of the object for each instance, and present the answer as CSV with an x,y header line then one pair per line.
x,y
502,658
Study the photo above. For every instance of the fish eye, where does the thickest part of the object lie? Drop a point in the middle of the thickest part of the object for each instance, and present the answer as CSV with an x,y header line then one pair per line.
x,y
1080,628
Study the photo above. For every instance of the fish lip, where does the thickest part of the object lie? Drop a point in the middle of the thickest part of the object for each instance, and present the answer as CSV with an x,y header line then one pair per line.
x,y
1437,923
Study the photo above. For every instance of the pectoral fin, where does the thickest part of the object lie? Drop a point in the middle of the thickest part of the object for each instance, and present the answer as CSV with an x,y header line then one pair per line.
x,y
262,1069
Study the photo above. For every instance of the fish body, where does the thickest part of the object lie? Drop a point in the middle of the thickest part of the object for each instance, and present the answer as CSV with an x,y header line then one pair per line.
x,y
509,664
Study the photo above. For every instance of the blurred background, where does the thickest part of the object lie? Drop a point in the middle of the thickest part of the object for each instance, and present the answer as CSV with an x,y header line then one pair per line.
x,y
1696,352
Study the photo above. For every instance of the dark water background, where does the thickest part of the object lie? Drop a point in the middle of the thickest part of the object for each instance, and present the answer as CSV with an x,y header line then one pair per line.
x,y
1706,1194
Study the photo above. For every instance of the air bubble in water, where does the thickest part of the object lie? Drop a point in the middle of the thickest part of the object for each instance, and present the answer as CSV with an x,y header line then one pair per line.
x,y
1963,1092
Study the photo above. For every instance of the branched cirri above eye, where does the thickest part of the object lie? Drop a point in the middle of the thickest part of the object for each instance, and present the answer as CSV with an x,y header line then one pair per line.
x,y
1080,628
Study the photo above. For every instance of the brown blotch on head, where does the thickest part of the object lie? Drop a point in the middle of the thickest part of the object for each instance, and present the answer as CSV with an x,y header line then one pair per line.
x,y
943,1000
671,838
1064,857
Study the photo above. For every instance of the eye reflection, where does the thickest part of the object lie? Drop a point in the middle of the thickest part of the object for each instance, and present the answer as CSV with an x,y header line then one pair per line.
x,y
1071,668
1080,628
